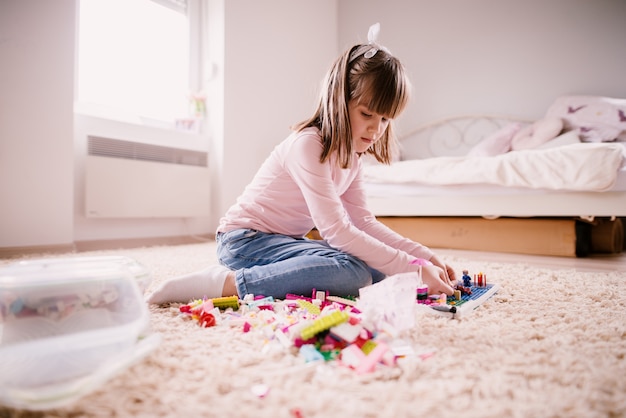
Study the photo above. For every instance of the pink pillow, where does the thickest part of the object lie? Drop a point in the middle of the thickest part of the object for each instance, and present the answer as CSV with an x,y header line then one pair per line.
x,y
497,143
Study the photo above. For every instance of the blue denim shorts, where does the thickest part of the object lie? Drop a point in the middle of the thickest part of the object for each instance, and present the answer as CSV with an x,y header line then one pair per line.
x,y
276,265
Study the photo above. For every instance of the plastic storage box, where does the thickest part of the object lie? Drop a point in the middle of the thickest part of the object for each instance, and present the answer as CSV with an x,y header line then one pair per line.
x,y
139,272
67,325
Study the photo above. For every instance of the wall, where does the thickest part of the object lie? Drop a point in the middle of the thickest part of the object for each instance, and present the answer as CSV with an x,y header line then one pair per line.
x,y
506,57
495,56
36,139
275,55
267,60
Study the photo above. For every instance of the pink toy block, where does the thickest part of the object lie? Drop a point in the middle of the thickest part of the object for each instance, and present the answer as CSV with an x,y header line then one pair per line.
x,y
352,356
369,363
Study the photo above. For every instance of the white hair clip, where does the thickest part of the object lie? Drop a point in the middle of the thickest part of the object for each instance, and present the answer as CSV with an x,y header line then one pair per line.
x,y
372,37
372,44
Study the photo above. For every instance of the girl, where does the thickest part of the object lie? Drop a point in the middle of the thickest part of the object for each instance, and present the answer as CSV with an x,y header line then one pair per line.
x,y
313,179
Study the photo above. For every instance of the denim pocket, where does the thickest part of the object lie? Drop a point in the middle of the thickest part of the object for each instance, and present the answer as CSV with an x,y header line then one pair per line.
x,y
237,236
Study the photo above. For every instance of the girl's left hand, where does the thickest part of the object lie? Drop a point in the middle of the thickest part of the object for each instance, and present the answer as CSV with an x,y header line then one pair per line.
x,y
449,271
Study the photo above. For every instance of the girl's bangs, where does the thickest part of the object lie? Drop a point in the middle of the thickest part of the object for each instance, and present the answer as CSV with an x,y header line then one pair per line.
x,y
391,97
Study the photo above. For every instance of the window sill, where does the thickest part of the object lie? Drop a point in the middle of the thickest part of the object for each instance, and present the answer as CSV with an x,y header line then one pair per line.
x,y
89,125
183,124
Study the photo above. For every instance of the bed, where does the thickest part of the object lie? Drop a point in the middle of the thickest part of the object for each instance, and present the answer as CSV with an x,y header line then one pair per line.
x,y
442,182
443,173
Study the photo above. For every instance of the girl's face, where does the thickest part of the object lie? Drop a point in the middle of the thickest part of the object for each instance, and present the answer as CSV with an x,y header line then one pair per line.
x,y
367,126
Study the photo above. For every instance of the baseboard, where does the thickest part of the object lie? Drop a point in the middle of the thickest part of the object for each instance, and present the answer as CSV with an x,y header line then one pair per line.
x,y
141,242
14,252
96,245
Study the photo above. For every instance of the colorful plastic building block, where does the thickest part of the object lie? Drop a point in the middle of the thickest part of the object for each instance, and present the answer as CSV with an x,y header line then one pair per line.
x,y
368,363
308,306
346,332
480,280
352,356
343,301
323,323
309,353
226,302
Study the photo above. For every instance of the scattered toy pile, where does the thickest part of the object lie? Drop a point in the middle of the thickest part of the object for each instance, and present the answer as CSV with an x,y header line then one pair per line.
x,y
319,328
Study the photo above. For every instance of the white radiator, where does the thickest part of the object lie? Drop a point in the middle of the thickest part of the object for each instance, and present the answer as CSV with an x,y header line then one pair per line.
x,y
126,179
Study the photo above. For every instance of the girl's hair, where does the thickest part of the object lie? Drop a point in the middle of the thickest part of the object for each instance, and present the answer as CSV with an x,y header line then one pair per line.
x,y
378,81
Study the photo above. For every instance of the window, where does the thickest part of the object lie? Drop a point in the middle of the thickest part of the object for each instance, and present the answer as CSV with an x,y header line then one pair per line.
x,y
134,59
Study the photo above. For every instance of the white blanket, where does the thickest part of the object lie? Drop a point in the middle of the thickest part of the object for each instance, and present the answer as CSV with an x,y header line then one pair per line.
x,y
576,167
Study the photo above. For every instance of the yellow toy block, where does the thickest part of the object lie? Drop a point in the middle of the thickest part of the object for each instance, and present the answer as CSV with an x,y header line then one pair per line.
x,y
323,323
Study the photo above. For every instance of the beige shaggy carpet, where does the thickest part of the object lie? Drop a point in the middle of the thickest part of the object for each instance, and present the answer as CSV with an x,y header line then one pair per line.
x,y
550,343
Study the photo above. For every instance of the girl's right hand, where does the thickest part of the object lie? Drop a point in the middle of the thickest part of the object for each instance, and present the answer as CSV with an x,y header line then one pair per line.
x,y
435,278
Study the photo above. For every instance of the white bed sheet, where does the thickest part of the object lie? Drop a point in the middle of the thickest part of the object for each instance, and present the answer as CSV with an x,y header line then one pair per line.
x,y
414,189
494,201
576,167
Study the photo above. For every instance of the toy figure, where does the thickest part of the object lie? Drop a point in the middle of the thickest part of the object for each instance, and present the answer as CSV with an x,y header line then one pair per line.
x,y
467,280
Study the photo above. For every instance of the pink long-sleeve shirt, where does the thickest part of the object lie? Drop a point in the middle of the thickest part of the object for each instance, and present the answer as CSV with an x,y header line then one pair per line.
x,y
293,192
